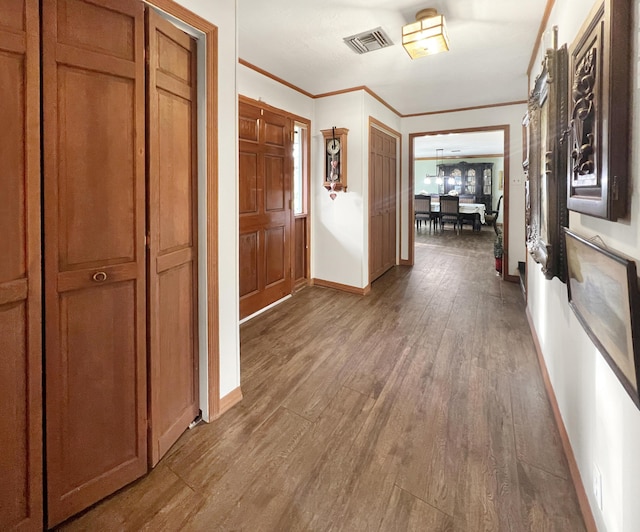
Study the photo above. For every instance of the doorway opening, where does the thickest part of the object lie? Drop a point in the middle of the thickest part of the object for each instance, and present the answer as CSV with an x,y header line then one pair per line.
x,y
471,164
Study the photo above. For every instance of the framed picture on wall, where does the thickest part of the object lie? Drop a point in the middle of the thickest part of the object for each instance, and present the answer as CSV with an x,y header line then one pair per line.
x,y
600,108
545,188
603,293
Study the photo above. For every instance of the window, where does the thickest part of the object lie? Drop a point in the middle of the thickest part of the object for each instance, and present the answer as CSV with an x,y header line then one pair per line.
x,y
299,170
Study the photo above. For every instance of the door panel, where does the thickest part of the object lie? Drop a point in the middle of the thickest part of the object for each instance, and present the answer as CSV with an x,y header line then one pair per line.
x,y
274,176
81,24
249,265
93,184
382,179
175,228
20,289
110,375
275,254
300,261
265,166
249,183
173,222
94,179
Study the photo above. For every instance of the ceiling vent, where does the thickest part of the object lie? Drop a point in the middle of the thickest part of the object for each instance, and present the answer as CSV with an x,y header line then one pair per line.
x,y
368,41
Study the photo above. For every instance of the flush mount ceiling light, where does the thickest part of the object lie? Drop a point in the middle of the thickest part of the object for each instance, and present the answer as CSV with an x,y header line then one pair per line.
x,y
427,35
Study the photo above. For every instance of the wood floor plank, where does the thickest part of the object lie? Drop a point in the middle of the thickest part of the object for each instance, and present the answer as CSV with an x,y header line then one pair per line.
x,y
548,502
260,458
159,501
370,466
533,424
436,441
489,480
288,498
407,512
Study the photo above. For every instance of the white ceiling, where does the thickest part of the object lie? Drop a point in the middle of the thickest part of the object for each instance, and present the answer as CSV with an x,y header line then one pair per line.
x,y
459,145
301,42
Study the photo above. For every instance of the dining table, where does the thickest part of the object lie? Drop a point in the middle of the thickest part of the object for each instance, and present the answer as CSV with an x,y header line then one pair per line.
x,y
471,209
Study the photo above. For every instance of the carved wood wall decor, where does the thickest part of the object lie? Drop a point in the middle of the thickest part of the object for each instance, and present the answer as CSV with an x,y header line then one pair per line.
x,y
598,123
546,167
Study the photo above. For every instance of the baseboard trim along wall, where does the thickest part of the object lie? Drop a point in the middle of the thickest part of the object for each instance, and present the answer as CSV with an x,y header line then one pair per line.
x,y
344,287
264,309
230,400
583,500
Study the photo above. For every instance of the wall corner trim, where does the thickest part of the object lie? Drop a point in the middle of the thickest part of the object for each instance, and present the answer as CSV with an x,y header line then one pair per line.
x,y
229,401
576,478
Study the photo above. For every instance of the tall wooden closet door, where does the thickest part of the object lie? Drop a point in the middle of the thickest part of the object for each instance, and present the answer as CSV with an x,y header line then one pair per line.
x,y
382,206
20,308
95,293
173,253
265,167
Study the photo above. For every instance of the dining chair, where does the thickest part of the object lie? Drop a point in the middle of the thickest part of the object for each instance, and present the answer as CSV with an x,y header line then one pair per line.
x,y
422,210
491,217
449,211
467,198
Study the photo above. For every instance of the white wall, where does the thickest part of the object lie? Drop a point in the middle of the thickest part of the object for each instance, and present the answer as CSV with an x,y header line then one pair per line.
x,y
337,230
222,13
258,87
496,116
340,227
602,422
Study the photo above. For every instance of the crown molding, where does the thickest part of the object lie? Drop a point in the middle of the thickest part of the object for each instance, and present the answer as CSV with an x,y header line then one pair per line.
x,y
274,78
459,109
373,94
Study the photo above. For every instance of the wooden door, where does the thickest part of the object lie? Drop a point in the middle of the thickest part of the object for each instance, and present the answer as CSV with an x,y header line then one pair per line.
x,y
173,252
95,286
20,290
382,190
265,167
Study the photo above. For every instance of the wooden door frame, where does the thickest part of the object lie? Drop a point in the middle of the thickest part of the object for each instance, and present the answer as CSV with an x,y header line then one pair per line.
x,y
211,115
373,123
306,149
505,128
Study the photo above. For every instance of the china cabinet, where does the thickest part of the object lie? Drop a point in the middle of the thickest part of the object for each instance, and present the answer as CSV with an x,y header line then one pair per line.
x,y
468,179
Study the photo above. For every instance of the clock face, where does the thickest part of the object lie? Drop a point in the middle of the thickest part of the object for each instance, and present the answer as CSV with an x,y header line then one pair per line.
x,y
333,146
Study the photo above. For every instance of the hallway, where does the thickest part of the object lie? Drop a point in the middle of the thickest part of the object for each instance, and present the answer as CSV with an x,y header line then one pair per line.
x,y
419,407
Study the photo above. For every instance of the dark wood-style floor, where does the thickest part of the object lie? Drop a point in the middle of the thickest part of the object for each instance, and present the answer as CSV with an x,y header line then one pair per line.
x,y
419,407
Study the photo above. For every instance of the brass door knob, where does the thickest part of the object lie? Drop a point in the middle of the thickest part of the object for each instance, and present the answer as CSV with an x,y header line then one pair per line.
x,y
99,277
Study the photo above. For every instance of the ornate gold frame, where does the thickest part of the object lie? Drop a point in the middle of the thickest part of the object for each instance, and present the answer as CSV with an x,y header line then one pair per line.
x,y
546,166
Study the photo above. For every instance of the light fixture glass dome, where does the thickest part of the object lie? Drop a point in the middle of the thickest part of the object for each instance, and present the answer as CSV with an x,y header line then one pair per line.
x,y
426,36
